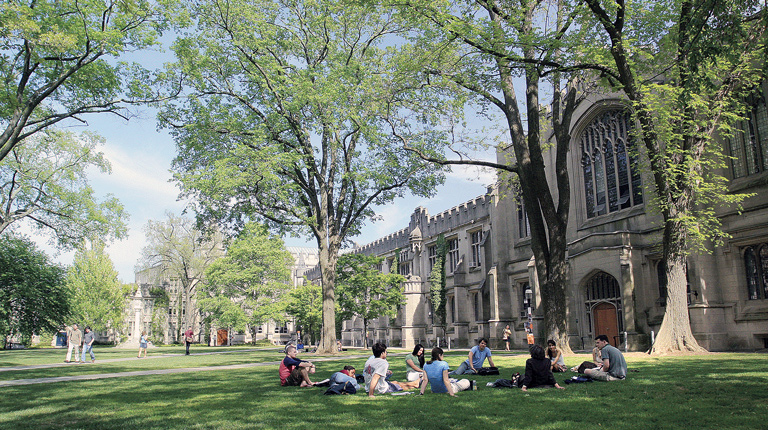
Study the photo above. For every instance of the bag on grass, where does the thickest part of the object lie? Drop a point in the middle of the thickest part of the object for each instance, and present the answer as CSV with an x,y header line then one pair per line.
x,y
483,371
345,388
578,380
586,365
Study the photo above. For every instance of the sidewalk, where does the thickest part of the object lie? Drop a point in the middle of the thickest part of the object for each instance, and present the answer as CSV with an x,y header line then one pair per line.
x,y
32,381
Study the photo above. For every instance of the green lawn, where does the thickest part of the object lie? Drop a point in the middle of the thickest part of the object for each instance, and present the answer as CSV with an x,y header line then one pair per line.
x,y
718,391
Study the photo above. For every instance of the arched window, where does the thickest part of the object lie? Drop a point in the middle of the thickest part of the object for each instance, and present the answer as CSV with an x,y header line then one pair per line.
x,y
749,147
610,184
756,265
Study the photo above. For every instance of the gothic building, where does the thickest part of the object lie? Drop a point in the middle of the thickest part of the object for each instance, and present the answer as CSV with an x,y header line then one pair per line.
x,y
616,284
161,308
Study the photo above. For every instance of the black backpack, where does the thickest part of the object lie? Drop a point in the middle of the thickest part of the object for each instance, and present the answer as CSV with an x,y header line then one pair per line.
x,y
345,388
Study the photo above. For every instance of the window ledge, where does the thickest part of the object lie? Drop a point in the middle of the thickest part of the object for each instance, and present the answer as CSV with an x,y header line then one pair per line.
x,y
613,216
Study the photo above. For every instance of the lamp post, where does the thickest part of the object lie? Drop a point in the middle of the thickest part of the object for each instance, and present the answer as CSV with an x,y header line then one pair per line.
x,y
529,323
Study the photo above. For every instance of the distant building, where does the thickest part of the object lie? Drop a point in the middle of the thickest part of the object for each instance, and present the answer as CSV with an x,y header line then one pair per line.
x,y
161,308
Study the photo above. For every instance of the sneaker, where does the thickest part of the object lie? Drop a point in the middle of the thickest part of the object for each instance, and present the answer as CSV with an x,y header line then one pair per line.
x,y
490,384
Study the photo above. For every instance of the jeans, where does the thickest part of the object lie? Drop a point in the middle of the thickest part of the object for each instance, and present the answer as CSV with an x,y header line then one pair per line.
x,y
87,349
340,378
463,369
188,343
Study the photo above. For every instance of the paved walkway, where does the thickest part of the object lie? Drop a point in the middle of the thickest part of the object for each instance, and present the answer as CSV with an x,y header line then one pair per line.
x,y
31,381
53,379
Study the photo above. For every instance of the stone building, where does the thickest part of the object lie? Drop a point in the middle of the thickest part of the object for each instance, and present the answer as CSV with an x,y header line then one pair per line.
x,y
160,307
616,284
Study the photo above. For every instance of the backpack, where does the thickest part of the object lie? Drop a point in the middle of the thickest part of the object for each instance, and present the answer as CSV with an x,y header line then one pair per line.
x,y
578,380
586,365
345,388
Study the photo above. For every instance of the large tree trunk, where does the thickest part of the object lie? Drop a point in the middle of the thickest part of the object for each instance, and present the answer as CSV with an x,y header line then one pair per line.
x,y
553,288
328,258
675,334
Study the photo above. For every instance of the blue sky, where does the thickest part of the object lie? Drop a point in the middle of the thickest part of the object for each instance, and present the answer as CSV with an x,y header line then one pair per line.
x,y
141,158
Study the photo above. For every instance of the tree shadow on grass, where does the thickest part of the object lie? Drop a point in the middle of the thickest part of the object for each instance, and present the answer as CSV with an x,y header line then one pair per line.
x,y
676,392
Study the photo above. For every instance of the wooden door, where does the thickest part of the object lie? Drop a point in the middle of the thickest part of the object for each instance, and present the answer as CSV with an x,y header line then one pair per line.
x,y
221,337
606,322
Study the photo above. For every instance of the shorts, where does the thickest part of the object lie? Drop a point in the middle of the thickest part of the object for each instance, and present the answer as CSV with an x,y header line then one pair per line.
x,y
295,378
393,388
143,345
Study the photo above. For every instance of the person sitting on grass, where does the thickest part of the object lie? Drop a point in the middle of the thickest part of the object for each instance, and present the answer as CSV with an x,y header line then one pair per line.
x,y
614,367
538,371
476,357
375,373
414,363
435,374
555,356
344,376
295,372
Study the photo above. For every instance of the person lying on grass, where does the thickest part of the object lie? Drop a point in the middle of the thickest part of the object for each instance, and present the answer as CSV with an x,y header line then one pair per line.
x,y
538,371
375,374
346,375
295,372
435,374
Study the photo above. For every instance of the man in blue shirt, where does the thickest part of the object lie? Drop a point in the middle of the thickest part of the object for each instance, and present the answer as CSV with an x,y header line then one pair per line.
x,y
476,357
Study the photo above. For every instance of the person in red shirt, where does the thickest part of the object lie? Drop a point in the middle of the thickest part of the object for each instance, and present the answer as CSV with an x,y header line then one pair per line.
x,y
295,372
188,338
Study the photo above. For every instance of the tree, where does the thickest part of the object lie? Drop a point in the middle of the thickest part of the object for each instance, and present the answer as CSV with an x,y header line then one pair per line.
x,y
498,45
711,54
45,182
245,287
33,298
437,291
305,304
98,297
178,252
287,120
57,62
365,292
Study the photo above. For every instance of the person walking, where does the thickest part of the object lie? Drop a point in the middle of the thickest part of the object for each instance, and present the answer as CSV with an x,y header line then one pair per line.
x,y
507,337
88,339
143,344
74,340
188,338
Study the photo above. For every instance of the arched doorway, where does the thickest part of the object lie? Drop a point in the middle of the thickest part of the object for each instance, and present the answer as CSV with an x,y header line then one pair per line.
x,y
221,337
603,306
606,321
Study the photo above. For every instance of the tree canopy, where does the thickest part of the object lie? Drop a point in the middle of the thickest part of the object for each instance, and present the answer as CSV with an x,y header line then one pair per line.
x,y
59,61
365,292
304,304
33,298
288,117
245,287
98,296
45,181
177,251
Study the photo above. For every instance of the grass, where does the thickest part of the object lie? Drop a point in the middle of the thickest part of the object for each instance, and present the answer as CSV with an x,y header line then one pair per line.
x,y
722,391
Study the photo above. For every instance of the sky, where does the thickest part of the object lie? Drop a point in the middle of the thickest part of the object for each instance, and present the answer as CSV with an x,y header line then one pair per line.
x,y
141,158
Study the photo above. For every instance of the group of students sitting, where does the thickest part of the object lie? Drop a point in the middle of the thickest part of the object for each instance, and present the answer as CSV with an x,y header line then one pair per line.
x,y
436,372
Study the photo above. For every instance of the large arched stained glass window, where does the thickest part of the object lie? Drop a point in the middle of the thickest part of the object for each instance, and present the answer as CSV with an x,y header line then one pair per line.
x,y
610,184
749,146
